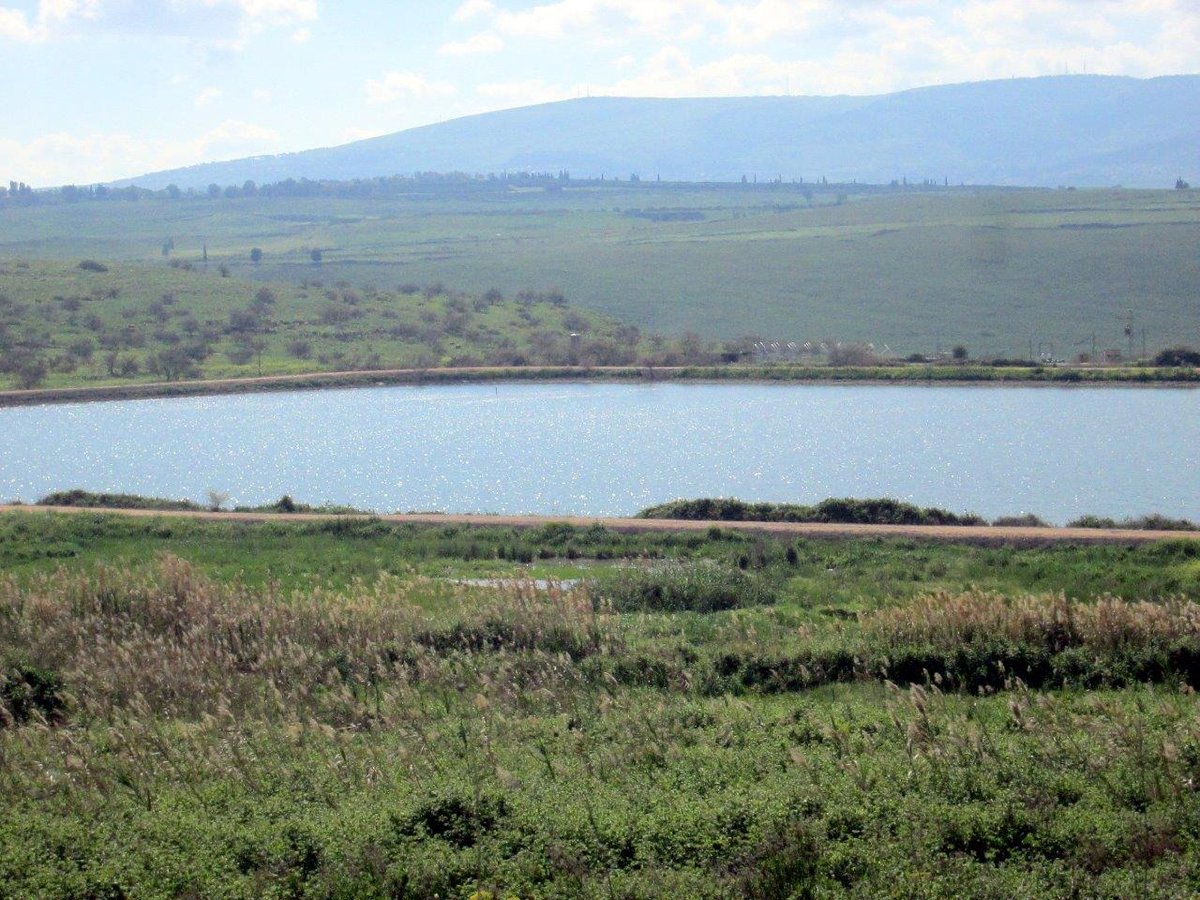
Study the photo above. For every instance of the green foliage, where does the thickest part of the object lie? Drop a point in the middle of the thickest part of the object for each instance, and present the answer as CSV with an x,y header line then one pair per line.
x,y
174,322
91,499
881,511
1153,522
362,723
27,691
871,271
1178,356
696,587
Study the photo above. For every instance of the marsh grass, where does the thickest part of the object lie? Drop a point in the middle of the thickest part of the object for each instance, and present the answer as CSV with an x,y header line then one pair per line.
x,y
190,733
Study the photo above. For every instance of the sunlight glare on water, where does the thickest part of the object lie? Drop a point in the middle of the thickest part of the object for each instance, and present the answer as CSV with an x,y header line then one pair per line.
x,y
610,449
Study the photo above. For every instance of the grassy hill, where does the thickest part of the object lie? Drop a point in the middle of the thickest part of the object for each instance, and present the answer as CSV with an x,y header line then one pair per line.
x,y
909,268
63,325
1083,130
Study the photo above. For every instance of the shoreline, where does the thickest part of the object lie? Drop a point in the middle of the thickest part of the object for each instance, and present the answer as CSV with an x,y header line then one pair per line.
x,y
871,376
987,535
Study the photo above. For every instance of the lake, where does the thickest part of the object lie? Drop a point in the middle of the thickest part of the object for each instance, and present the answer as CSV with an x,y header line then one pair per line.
x,y
612,449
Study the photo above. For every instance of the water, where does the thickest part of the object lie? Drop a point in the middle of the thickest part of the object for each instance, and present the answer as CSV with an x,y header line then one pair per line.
x,y
611,449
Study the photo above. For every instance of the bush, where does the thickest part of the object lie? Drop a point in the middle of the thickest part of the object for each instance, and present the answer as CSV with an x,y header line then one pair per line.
x,y
880,511
680,587
1024,520
81,498
90,265
1178,356
300,349
1153,522
26,691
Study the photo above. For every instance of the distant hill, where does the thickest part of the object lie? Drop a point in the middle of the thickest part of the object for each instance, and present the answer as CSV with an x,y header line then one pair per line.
x,y
1085,130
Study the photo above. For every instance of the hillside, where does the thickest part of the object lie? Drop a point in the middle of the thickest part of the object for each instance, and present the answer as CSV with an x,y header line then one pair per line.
x,y
913,269
1078,130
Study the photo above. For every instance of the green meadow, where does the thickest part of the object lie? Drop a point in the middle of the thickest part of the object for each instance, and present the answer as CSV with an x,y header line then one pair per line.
x,y
129,321
997,271
359,709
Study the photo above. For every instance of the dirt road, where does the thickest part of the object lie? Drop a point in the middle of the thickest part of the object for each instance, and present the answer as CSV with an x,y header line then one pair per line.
x,y
984,534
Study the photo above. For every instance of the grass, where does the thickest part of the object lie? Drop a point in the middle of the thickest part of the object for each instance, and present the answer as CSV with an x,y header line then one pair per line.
x,y
392,733
138,322
992,270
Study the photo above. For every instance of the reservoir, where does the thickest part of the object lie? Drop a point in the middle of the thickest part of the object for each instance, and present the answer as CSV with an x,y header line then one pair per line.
x,y
612,449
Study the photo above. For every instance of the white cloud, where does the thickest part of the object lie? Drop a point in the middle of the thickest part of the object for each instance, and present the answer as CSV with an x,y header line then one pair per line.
x,y
686,20
395,85
64,158
215,19
262,95
906,42
208,95
301,35
14,26
361,134
472,9
524,93
484,42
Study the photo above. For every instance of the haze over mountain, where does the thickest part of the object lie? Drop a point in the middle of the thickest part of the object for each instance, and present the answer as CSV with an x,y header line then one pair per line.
x,y
1084,130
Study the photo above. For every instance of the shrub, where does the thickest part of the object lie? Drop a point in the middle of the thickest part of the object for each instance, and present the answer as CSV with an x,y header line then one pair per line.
x,y
880,511
300,349
1153,522
26,691
80,497
1178,356
681,587
1024,520
90,265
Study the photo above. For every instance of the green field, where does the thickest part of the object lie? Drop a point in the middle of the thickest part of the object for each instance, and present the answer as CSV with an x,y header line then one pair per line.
x,y
996,271
328,710
140,322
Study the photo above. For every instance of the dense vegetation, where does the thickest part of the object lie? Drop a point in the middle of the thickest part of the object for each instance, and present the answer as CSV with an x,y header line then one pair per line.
x,y
878,511
76,324
1003,273
328,709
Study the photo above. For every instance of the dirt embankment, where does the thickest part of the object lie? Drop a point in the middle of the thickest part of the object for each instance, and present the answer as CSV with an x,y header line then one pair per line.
x,y
981,534
804,375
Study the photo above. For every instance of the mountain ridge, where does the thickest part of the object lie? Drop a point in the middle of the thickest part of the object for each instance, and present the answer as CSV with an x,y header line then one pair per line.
x,y
1083,130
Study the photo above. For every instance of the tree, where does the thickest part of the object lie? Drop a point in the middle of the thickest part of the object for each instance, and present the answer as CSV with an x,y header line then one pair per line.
x,y
255,255
173,364
959,353
31,373
1178,356
1180,184
315,256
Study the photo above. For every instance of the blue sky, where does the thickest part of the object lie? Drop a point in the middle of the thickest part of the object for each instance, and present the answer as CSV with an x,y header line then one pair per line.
x,y
101,89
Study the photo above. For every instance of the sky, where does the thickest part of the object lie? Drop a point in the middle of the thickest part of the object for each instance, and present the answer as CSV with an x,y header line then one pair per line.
x,y
102,89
